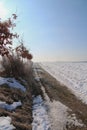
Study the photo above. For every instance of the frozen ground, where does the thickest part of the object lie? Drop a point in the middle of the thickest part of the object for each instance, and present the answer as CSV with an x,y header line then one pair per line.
x,y
73,75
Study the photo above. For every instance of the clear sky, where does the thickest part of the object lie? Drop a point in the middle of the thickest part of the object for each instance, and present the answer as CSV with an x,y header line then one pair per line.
x,y
54,30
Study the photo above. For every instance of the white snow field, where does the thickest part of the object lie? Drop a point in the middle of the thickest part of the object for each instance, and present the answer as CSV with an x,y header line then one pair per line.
x,y
71,74
5,123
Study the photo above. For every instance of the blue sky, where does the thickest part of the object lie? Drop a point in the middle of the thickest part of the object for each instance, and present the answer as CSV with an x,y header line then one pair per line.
x,y
53,30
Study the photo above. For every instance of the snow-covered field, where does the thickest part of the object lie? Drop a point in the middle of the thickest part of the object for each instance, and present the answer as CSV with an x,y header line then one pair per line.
x,y
71,74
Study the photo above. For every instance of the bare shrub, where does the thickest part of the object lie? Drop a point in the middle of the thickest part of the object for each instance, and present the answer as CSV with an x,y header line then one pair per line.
x,y
18,68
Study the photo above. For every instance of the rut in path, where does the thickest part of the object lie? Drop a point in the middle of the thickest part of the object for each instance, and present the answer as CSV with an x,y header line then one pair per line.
x,y
40,116
55,110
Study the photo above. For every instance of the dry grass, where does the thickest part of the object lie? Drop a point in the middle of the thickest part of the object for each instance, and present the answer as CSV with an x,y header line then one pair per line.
x,y
10,95
22,116
15,67
21,126
59,92
36,88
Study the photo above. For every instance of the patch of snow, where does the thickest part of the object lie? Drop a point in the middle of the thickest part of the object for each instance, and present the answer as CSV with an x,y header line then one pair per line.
x,y
73,75
72,121
5,123
57,112
59,117
37,79
10,107
12,82
40,117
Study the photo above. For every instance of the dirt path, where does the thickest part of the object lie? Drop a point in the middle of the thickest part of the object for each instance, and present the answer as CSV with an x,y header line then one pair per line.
x,y
58,100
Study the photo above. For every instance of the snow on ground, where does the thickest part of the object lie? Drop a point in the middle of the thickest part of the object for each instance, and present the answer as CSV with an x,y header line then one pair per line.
x,y
57,113
12,82
72,121
73,75
40,117
10,107
5,123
